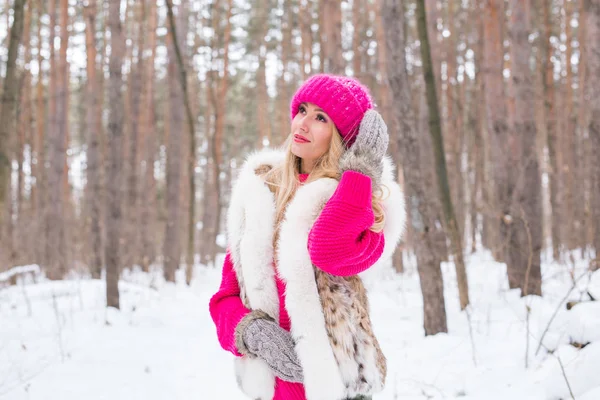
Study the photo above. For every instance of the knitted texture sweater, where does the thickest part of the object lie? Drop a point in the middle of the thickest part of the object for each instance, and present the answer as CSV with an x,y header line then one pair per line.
x,y
339,243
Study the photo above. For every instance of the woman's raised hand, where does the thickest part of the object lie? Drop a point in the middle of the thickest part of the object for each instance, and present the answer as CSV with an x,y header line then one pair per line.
x,y
367,152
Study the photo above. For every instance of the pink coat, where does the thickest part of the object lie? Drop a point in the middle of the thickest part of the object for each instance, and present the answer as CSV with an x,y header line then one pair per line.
x,y
340,243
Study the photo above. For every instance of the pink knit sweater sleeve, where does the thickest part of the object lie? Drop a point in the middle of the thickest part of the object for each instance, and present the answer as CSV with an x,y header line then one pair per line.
x,y
226,307
340,242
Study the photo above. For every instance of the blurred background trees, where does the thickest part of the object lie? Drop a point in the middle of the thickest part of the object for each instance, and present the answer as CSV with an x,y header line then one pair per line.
x,y
100,171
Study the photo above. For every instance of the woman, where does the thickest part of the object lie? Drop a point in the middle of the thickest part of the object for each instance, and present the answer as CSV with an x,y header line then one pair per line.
x,y
301,225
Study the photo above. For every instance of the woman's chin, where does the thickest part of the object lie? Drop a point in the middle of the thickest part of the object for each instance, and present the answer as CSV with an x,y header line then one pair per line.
x,y
298,151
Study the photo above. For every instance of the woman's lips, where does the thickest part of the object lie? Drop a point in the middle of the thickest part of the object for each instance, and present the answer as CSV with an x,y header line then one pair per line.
x,y
300,139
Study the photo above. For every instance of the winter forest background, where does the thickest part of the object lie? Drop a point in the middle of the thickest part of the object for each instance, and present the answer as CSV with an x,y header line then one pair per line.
x,y
123,124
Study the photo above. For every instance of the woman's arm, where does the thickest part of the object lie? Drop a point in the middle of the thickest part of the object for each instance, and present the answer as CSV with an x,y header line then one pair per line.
x,y
226,307
340,242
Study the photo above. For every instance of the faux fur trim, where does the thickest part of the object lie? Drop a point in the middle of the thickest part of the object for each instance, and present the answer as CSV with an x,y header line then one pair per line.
x,y
255,378
241,327
362,164
394,209
250,226
322,378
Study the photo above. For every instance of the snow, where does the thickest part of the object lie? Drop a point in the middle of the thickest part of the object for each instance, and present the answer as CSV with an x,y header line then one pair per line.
x,y
23,269
58,340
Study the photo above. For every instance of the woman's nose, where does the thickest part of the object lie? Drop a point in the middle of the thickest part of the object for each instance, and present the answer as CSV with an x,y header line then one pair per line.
x,y
304,123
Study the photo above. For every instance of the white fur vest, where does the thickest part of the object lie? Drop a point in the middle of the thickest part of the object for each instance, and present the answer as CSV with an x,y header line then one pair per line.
x,y
329,315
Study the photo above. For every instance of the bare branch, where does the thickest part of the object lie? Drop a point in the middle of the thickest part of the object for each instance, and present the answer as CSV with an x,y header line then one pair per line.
x,y
556,311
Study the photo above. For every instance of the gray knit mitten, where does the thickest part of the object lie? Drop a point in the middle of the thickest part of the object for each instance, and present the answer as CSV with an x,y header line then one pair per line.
x,y
367,152
259,335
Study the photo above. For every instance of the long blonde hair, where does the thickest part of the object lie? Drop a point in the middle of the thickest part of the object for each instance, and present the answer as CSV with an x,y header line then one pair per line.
x,y
283,179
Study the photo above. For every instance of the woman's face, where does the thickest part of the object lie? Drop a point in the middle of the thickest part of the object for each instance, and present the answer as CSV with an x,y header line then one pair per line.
x,y
311,135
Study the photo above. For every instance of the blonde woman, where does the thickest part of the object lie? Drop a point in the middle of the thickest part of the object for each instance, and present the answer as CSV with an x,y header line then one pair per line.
x,y
302,224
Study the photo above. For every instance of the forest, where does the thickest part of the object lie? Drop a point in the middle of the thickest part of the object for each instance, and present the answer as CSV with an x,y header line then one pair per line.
x,y
123,124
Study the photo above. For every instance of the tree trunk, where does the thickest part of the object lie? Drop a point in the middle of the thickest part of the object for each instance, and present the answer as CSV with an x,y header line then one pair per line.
x,y
212,211
55,232
94,191
9,104
569,138
62,129
386,104
497,128
592,10
209,189
454,130
551,132
102,128
283,95
307,39
102,94
24,115
321,34
479,218
148,145
133,253
262,109
192,149
115,140
172,243
358,12
16,236
368,38
220,131
386,109
525,222
476,162
581,214
435,131
38,191
432,15
208,185
332,20
419,204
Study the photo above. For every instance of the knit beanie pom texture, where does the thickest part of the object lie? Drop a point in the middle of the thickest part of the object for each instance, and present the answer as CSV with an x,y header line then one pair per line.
x,y
344,99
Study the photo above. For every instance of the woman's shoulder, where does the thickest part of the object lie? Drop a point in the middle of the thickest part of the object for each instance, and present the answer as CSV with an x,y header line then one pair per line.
x,y
263,169
262,161
255,168
248,185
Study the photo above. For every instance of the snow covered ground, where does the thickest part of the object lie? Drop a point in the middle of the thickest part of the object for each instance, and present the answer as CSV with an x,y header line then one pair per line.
x,y
58,341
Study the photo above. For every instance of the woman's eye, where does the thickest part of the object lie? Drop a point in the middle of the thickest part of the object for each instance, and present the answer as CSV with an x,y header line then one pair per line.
x,y
321,118
302,109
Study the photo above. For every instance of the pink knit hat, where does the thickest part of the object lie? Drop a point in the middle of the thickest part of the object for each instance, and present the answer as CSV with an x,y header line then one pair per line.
x,y
344,99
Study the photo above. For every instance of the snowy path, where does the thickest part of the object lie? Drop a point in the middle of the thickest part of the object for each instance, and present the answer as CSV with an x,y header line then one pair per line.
x,y
162,345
